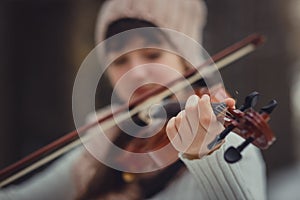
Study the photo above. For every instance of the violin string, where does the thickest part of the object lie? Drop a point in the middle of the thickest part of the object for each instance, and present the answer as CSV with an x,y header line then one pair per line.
x,y
225,113
222,109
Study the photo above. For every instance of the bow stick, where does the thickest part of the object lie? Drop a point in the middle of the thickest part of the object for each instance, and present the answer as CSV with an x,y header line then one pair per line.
x,y
71,140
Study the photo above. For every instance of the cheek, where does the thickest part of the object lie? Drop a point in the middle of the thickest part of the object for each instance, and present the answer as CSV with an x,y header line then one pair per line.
x,y
178,65
114,77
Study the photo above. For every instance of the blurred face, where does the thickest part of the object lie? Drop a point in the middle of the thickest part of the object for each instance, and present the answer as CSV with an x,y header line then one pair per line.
x,y
134,73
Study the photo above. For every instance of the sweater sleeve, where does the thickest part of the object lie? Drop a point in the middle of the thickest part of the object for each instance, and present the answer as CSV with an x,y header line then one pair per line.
x,y
217,179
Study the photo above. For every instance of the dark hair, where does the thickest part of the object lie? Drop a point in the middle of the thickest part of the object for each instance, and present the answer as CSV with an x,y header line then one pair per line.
x,y
155,36
107,180
126,24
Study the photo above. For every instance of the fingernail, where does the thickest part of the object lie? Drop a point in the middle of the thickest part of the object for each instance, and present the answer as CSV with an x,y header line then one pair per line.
x,y
181,113
205,97
192,100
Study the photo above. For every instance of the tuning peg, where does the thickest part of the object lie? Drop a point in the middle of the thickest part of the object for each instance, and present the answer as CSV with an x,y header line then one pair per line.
x,y
220,137
250,101
269,107
232,154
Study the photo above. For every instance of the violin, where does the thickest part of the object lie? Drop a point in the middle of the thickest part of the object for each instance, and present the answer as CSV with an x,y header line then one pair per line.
x,y
245,121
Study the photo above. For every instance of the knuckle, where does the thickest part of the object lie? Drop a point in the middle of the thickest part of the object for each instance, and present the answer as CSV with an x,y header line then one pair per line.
x,y
205,120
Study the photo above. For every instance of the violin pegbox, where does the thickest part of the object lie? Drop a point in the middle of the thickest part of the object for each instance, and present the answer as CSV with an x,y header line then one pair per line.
x,y
249,124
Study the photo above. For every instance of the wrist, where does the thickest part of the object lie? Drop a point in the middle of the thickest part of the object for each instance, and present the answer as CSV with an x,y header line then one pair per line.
x,y
199,156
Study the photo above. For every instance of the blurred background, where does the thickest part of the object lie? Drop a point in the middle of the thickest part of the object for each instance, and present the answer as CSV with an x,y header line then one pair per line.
x,y
42,44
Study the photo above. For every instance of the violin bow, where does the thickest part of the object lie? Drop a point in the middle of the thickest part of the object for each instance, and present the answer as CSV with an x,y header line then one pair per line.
x,y
71,140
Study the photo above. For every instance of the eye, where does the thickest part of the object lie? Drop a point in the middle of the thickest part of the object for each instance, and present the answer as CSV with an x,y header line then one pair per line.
x,y
153,55
120,61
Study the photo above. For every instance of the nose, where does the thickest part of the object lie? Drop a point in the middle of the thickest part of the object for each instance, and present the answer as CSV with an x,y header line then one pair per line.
x,y
138,69
138,73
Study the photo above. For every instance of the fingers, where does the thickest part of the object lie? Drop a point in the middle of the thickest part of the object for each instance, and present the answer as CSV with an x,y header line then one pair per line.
x,y
230,102
207,115
188,130
173,134
179,132
193,112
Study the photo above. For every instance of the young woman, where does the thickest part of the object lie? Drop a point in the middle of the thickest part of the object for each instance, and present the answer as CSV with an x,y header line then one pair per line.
x,y
198,172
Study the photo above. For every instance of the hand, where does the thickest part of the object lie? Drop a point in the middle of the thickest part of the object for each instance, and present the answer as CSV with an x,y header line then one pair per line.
x,y
195,127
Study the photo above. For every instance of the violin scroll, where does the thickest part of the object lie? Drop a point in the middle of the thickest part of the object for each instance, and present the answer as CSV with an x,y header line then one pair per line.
x,y
251,125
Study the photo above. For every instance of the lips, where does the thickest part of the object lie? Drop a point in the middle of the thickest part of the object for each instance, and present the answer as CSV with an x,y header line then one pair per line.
x,y
145,88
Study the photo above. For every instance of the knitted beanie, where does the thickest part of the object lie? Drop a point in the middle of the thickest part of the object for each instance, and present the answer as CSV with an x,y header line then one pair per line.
x,y
185,16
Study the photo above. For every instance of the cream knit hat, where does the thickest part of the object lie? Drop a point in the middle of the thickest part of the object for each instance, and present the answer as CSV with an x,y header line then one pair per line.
x,y
185,16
